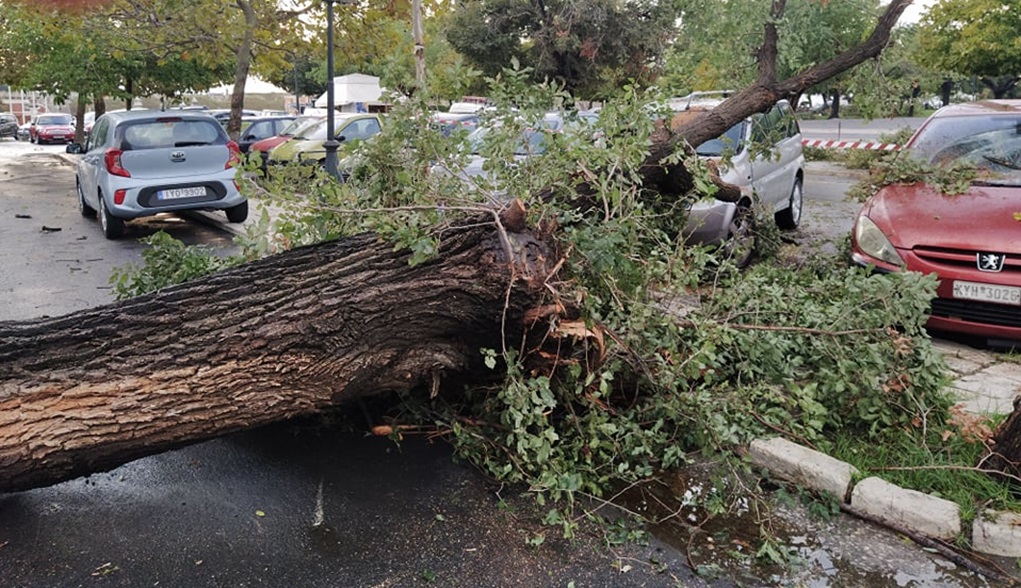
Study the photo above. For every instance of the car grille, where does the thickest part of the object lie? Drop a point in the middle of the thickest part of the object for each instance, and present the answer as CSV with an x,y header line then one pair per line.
x,y
962,258
985,313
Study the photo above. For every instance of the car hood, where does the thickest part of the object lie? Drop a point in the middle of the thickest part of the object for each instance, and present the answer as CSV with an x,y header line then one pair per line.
x,y
295,148
985,218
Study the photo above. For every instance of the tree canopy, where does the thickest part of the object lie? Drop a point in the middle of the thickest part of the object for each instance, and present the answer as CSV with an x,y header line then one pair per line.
x,y
592,48
974,37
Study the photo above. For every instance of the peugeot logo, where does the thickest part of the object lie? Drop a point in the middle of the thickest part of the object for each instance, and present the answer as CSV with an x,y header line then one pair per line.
x,y
990,262
177,155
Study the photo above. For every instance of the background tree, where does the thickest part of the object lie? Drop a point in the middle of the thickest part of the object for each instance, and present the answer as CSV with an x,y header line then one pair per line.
x,y
974,37
717,49
591,47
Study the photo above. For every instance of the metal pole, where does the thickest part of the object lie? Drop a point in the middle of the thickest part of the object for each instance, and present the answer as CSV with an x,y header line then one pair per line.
x,y
297,93
331,143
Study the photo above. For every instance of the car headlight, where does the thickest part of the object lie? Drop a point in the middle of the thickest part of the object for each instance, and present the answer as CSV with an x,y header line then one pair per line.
x,y
874,243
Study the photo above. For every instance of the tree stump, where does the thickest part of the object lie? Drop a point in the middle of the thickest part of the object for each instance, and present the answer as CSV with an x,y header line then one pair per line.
x,y
1005,446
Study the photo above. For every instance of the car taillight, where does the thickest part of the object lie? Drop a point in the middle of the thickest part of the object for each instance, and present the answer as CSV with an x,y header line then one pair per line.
x,y
112,159
234,159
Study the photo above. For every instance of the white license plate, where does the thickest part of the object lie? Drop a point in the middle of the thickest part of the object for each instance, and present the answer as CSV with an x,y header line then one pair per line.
x,y
176,193
987,293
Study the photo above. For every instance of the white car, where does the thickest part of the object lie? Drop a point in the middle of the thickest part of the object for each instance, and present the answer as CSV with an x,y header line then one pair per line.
x,y
141,163
762,155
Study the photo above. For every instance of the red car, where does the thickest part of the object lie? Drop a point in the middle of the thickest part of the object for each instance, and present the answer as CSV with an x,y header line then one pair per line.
x,y
52,128
971,241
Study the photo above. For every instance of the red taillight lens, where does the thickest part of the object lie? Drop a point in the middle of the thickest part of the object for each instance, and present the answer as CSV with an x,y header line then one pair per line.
x,y
234,159
118,196
112,159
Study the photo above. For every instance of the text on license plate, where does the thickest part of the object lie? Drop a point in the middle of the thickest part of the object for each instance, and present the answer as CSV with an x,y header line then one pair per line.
x,y
987,292
175,193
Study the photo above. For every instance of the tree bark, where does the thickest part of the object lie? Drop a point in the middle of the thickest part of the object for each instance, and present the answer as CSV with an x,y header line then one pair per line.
x,y
293,334
1005,446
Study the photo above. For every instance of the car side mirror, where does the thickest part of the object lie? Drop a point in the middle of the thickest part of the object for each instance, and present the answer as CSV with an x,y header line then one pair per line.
x,y
74,148
341,139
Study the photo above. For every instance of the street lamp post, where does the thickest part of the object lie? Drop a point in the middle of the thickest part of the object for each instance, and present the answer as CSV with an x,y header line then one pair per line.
x,y
331,141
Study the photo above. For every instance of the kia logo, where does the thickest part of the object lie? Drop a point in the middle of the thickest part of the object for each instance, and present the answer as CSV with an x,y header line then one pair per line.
x,y
177,155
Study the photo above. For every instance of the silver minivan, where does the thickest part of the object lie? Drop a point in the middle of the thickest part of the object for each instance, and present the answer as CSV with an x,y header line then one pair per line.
x,y
141,163
762,155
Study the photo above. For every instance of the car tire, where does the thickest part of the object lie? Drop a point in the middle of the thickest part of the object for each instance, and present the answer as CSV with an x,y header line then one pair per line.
x,y
742,239
790,217
83,207
237,214
112,226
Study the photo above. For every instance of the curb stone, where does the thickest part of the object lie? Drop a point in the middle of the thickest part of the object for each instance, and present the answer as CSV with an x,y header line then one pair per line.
x,y
993,533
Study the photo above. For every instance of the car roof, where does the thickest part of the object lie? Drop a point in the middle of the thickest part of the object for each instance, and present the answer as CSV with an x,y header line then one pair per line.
x,y
132,115
980,107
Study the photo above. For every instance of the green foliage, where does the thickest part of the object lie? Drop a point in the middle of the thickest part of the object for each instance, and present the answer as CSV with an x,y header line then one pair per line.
x,y
904,169
972,37
592,47
698,356
166,262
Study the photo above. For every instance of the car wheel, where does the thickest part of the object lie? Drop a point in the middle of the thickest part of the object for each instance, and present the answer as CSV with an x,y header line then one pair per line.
x,y
83,207
112,226
741,238
239,213
790,217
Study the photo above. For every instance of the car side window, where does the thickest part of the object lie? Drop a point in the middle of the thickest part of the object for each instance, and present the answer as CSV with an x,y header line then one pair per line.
x,y
790,122
361,129
259,130
97,138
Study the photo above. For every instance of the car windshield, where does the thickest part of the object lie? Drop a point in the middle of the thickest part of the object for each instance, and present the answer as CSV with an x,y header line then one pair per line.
x,y
56,119
170,132
314,132
299,124
990,143
728,142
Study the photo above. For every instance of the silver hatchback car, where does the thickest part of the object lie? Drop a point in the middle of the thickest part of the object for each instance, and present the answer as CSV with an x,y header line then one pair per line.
x,y
141,163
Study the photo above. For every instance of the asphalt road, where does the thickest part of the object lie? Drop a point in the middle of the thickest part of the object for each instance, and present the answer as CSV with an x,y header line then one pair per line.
x,y
314,504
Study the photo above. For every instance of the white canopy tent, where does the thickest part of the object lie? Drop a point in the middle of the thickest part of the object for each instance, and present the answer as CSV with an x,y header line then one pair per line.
x,y
351,90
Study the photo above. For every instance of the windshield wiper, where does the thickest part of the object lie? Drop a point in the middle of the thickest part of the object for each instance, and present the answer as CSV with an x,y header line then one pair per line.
x,y
1001,162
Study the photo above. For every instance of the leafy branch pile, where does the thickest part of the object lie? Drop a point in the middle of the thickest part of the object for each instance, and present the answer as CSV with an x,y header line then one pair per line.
x,y
665,349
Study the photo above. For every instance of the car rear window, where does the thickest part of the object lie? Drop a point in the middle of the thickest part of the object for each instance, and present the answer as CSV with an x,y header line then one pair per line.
x,y
170,132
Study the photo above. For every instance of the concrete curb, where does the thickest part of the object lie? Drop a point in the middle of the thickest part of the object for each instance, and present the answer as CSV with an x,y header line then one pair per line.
x,y
994,532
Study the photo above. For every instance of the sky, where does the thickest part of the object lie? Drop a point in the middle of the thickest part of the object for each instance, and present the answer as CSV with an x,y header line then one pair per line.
x,y
914,11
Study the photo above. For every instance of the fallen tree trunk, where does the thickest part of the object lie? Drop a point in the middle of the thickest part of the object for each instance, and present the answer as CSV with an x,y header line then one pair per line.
x,y
289,335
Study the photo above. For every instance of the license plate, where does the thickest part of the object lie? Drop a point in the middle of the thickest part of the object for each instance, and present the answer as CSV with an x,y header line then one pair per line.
x,y
987,293
176,193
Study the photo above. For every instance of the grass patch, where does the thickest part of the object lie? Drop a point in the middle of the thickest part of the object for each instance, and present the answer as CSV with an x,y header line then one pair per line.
x,y
940,461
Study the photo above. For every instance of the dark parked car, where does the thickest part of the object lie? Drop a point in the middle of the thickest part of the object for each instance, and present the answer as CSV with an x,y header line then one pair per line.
x,y
968,240
141,163
51,128
8,125
261,127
